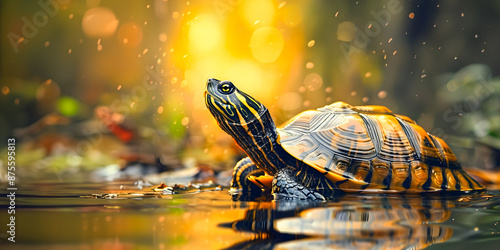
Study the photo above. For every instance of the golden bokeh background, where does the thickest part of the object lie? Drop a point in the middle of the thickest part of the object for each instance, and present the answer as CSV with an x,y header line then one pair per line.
x,y
149,61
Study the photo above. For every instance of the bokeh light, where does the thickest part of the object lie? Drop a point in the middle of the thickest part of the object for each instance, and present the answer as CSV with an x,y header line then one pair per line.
x,y
266,44
130,35
346,31
292,14
99,22
68,106
313,81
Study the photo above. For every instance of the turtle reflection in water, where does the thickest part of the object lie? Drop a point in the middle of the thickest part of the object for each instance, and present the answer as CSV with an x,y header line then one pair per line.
x,y
339,148
379,223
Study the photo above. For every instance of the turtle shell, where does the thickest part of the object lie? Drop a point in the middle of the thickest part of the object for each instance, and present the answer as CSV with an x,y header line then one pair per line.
x,y
370,148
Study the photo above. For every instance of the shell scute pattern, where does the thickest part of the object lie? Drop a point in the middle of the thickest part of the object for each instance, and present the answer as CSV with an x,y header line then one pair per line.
x,y
370,148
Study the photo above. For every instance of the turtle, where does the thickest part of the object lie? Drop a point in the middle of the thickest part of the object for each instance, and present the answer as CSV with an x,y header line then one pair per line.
x,y
324,153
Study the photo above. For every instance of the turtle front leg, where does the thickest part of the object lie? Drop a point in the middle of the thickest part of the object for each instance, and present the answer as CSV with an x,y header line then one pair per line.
x,y
286,187
243,186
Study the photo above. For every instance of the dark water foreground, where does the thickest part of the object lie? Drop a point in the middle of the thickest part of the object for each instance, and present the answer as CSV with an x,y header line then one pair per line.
x,y
121,215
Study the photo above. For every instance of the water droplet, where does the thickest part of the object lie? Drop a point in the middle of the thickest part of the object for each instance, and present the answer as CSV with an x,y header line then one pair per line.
x,y
328,89
365,99
173,80
309,65
311,43
175,15
354,93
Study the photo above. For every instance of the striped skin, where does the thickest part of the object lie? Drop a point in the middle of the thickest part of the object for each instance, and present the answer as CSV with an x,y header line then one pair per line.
x,y
339,147
245,173
251,126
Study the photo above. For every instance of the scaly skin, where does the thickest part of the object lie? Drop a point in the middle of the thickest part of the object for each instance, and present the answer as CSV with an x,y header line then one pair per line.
x,y
285,187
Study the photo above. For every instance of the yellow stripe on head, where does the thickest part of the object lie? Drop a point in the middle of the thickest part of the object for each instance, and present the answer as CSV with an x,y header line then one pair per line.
x,y
243,101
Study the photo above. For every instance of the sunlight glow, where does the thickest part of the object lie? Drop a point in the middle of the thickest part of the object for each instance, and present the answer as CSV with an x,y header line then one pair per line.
x,y
204,34
258,12
266,44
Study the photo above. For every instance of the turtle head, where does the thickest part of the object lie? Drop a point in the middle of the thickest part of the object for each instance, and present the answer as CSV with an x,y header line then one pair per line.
x,y
230,105
245,119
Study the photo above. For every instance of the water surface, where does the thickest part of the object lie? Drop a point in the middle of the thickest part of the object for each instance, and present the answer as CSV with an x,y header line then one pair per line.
x,y
122,215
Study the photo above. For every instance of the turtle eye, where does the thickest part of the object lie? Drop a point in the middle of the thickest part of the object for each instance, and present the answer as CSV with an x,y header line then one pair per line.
x,y
226,88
